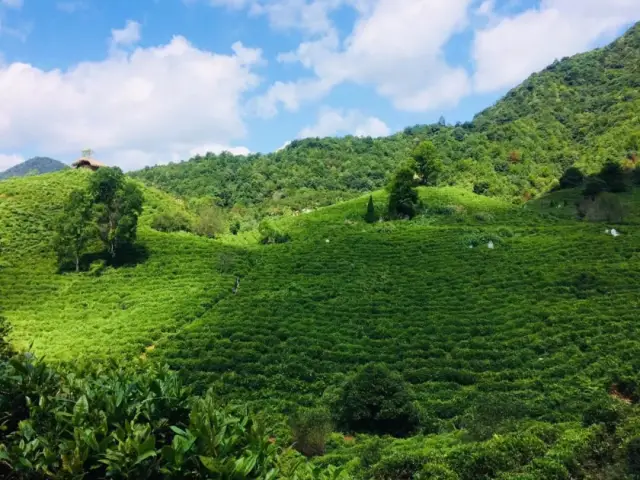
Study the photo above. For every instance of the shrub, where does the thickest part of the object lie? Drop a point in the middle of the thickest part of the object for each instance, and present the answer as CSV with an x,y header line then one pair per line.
x,y
437,471
310,428
635,176
400,465
427,162
376,400
5,346
481,188
235,228
171,222
571,178
633,456
270,233
607,411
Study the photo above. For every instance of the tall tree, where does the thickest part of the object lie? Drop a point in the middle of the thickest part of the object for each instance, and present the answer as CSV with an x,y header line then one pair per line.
x,y
74,228
403,198
118,204
427,162
370,216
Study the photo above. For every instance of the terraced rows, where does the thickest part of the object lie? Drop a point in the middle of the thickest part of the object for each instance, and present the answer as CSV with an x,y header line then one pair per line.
x,y
548,315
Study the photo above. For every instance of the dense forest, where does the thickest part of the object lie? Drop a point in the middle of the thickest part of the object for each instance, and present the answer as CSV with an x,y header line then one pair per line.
x,y
579,111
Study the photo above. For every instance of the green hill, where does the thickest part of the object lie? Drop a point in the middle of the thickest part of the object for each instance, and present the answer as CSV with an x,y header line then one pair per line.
x,y
520,339
33,166
579,111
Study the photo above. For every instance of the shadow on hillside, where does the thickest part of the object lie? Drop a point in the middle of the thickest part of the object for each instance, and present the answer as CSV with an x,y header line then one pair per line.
x,y
96,262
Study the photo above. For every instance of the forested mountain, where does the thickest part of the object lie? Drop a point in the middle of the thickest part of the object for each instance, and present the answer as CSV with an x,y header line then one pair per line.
x,y
33,166
581,110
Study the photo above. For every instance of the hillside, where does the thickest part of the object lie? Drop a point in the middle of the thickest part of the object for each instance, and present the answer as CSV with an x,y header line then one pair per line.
x,y
520,340
33,166
581,110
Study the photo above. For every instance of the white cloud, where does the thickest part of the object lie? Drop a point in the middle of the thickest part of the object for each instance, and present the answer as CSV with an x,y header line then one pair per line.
x,y
335,122
11,3
217,149
8,161
396,46
151,105
71,6
129,35
509,50
284,145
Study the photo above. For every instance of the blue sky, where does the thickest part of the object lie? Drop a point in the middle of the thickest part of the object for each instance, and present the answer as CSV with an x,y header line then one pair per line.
x,y
153,81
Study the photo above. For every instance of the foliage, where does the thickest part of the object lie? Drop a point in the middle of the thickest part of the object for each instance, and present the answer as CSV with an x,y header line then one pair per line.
x,y
210,221
571,178
74,228
605,207
371,216
378,401
172,221
633,456
271,233
428,165
124,423
594,187
403,198
118,204
613,175
580,111
310,428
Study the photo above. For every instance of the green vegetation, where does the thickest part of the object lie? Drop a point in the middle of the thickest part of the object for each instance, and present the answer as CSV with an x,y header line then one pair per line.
x,y
479,338
580,111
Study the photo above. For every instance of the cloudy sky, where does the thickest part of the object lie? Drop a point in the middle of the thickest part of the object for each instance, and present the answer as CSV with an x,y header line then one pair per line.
x,y
152,81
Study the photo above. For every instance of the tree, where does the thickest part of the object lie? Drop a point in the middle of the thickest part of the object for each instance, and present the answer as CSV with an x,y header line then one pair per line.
x,y
613,175
403,198
310,428
118,204
427,163
210,221
633,456
375,400
370,216
571,178
74,228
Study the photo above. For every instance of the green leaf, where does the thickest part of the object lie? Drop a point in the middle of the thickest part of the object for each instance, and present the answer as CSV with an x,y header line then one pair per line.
x,y
211,464
177,430
144,456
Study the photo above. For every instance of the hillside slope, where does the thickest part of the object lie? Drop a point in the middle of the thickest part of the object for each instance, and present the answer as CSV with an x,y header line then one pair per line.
x,y
34,166
581,110
539,327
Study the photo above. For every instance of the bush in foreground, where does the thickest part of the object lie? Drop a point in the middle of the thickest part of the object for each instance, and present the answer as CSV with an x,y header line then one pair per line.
x,y
376,400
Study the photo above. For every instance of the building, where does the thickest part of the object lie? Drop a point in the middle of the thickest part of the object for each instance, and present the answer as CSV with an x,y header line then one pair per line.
x,y
87,162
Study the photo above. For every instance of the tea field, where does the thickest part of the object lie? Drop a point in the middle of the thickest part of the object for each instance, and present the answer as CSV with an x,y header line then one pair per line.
x,y
538,327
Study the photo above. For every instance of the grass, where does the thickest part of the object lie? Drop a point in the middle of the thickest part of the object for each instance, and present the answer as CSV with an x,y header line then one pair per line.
x,y
545,321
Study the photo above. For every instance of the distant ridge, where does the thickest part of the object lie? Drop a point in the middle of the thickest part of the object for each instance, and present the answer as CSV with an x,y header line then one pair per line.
x,y
33,166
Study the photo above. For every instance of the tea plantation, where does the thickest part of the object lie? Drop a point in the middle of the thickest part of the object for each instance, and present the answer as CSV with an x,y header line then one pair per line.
x,y
509,323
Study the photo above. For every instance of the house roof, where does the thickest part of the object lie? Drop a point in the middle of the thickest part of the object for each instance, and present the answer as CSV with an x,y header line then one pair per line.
x,y
88,161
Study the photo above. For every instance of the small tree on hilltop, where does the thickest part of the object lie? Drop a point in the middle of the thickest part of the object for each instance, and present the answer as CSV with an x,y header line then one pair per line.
x,y
375,400
74,228
427,163
118,205
370,216
403,198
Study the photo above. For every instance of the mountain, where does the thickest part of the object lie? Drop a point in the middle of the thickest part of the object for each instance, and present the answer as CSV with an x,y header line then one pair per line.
x,y
34,166
578,111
